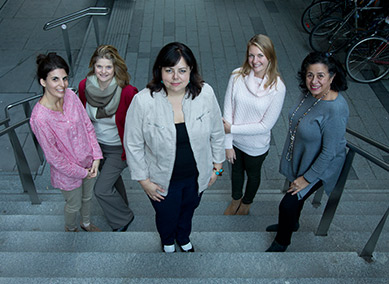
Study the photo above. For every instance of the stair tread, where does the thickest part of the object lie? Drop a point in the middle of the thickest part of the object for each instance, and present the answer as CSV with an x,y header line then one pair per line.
x,y
143,242
232,280
196,265
201,223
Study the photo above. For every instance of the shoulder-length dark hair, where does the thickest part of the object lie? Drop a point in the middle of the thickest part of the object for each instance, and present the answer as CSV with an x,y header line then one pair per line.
x,y
334,68
169,56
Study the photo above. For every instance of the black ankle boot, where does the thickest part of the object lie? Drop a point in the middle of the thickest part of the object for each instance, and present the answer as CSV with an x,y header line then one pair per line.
x,y
274,228
276,247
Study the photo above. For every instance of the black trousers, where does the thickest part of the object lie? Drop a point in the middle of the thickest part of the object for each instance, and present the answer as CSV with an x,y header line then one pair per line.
x,y
252,166
174,214
289,214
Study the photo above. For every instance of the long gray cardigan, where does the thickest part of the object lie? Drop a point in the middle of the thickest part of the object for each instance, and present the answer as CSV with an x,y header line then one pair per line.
x,y
320,146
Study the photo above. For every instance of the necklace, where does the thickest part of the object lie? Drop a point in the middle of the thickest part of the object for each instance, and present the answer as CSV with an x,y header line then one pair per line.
x,y
292,133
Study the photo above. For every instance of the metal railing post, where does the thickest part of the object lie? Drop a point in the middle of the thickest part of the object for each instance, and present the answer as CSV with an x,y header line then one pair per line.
x,y
62,21
27,112
316,202
65,34
367,251
22,164
97,31
336,194
20,158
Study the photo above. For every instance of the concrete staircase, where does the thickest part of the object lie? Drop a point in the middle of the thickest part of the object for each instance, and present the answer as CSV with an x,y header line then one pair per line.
x,y
229,249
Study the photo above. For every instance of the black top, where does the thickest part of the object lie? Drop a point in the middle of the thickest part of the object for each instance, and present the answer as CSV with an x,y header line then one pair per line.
x,y
185,164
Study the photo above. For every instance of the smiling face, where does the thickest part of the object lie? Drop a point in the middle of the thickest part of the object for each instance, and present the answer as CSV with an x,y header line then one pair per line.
x,y
56,83
257,61
104,71
318,79
176,78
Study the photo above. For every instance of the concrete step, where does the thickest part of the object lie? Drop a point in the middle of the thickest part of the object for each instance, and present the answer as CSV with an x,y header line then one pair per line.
x,y
287,280
201,223
149,242
199,265
144,207
217,194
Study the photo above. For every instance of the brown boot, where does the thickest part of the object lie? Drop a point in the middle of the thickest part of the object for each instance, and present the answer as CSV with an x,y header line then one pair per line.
x,y
233,207
243,209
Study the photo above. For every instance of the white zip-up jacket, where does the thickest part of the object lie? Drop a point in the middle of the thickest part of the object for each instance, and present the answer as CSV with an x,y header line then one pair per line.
x,y
150,136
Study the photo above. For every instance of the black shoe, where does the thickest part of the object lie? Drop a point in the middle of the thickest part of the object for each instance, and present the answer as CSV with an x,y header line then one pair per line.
x,y
125,227
274,228
276,247
190,250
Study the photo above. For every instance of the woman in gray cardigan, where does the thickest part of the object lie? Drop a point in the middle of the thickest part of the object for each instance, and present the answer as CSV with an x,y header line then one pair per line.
x,y
315,147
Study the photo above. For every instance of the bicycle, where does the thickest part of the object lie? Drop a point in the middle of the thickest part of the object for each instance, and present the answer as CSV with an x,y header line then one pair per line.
x,y
333,34
368,59
318,11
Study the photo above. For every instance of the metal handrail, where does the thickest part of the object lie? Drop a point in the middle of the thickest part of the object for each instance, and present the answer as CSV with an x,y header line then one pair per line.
x,y
27,112
91,11
336,194
20,158
62,22
368,140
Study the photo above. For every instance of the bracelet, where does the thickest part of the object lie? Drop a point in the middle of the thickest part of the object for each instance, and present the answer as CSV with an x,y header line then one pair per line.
x,y
218,172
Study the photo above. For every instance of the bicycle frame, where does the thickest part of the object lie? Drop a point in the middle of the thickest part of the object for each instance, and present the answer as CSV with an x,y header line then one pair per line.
x,y
381,49
355,13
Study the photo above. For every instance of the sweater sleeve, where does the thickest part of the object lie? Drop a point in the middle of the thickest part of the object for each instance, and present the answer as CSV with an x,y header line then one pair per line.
x,y
81,92
269,118
54,156
333,131
134,142
228,106
97,154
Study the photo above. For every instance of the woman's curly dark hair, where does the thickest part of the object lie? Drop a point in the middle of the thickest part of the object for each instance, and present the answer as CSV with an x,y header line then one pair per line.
x,y
334,68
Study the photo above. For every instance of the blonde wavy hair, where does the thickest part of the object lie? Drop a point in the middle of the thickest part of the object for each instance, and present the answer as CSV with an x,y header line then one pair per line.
x,y
265,44
110,52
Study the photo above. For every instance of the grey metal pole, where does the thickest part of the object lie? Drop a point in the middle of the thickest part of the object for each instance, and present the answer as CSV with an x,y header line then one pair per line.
x,y
67,45
336,194
22,164
367,251
97,31
316,202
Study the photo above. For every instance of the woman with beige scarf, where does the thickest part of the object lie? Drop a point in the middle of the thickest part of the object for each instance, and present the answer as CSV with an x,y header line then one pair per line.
x,y
106,94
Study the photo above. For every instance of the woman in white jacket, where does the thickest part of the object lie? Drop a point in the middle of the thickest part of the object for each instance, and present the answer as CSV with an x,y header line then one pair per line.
x,y
174,140
252,105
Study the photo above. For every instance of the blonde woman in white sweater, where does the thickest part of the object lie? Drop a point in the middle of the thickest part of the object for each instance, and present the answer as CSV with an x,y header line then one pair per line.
x,y
252,105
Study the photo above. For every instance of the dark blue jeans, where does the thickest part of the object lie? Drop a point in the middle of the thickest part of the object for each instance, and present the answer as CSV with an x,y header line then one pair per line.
x,y
174,214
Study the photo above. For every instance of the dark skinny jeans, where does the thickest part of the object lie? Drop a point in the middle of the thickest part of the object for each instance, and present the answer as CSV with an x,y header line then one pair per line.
x,y
252,166
289,214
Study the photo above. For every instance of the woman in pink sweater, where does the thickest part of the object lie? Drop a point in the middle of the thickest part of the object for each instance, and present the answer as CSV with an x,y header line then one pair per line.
x,y
67,137
252,105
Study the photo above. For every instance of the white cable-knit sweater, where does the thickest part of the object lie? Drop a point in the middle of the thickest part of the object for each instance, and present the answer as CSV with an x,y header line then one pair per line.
x,y
252,112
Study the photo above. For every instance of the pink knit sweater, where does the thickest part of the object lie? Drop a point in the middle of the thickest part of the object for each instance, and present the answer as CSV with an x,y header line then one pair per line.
x,y
252,112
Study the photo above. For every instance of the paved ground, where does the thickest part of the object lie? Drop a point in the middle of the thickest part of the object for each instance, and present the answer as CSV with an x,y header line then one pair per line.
x,y
216,30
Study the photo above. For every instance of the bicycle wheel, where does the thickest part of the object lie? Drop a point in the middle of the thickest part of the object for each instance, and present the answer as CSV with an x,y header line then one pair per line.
x,y
330,35
368,60
317,12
